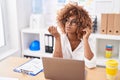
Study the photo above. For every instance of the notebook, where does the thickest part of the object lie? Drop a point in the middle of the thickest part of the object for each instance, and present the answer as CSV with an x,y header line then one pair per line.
x,y
63,69
31,67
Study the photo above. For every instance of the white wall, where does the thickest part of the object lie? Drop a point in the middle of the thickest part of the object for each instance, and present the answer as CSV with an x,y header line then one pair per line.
x,y
117,6
24,10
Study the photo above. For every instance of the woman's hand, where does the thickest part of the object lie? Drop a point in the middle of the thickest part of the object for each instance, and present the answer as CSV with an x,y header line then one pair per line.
x,y
86,33
53,31
58,49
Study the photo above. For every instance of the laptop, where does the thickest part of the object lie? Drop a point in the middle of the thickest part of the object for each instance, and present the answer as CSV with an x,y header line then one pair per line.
x,y
63,69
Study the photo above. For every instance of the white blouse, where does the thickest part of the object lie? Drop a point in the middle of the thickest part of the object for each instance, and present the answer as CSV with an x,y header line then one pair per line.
x,y
78,53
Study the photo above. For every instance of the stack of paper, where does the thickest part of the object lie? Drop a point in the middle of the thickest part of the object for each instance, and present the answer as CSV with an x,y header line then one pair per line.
x,y
32,67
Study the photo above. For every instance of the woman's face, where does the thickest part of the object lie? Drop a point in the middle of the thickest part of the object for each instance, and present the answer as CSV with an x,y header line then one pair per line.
x,y
71,25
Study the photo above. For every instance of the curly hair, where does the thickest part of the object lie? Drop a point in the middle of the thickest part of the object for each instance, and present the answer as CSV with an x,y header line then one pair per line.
x,y
83,19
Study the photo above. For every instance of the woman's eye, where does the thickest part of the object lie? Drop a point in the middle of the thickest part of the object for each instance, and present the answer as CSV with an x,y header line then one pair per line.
x,y
67,20
74,21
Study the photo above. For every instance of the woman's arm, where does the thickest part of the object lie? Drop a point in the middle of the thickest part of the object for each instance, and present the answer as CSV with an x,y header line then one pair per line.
x,y
87,50
58,49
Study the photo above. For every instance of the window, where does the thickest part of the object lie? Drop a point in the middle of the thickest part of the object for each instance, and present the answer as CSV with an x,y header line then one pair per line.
x,y
4,43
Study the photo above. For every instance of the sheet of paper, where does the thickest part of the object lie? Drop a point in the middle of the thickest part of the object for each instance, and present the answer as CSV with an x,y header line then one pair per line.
x,y
8,78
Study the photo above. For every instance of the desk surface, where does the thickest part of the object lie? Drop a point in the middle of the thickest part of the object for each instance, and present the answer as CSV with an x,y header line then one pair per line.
x,y
7,66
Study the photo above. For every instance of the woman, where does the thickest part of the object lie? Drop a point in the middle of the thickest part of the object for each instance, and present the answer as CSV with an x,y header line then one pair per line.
x,y
74,42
